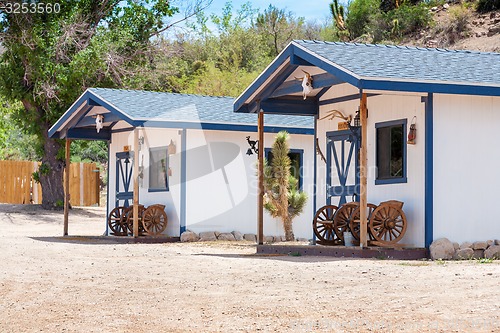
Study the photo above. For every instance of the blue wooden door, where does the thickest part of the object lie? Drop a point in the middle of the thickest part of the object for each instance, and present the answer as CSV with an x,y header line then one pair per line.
x,y
342,165
124,166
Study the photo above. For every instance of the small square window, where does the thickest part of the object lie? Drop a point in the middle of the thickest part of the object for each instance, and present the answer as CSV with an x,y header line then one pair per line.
x,y
295,165
158,169
391,152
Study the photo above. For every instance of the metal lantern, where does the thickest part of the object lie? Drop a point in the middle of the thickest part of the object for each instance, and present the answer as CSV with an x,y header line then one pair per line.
x,y
357,120
412,134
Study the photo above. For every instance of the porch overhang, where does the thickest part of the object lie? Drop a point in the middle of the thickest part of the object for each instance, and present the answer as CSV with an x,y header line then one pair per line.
x,y
278,91
79,121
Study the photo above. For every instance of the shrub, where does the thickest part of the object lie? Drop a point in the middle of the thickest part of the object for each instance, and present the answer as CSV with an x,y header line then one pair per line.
x,y
360,16
408,19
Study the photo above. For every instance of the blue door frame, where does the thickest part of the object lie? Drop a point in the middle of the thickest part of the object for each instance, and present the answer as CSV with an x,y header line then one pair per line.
x,y
124,167
336,161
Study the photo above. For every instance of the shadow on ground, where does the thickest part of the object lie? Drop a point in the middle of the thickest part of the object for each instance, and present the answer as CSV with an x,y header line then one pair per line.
x,y
103,240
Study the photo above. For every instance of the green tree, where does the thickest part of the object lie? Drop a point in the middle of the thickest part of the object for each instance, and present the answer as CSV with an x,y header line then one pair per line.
x,y
14,144
219,62
283,199
50,58
277,28
360,16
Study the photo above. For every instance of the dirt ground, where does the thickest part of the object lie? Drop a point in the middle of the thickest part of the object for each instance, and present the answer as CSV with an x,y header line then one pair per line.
x,y
51,284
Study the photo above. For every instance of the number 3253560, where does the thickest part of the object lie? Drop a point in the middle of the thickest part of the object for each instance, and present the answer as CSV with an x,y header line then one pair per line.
x,y
30,8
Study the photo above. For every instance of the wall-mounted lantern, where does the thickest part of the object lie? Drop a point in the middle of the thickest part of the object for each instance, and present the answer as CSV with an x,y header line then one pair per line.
x,y
357,120
172,149
412,134
254,146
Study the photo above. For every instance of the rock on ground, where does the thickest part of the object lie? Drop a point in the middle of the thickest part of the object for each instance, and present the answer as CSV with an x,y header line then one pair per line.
x,y
250,237
226,236
479,245
464,254
189,236
442,249
493,252
207,236
478,254
237,235
465,245
268,239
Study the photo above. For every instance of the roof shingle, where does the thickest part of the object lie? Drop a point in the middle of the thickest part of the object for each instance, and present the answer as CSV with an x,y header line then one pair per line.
x,y
410,63
148,105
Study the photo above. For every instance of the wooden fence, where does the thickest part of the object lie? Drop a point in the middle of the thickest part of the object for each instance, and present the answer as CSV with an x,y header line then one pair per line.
x,y
18,187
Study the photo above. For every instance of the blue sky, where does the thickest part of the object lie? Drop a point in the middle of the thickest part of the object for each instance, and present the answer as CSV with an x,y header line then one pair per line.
x,y
311,10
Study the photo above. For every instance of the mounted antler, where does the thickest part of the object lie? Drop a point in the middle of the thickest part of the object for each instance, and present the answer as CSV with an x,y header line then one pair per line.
x,y
337,114
306,83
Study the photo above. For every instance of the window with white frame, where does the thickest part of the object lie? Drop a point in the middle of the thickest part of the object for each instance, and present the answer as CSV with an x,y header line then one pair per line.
x,y
158,169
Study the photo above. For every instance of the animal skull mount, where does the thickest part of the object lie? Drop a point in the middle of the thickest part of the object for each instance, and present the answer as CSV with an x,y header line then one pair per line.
x,y
306,83
98,122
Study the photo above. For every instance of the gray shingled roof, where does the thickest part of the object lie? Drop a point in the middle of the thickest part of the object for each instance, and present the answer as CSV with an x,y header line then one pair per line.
x,y
412,63
148,105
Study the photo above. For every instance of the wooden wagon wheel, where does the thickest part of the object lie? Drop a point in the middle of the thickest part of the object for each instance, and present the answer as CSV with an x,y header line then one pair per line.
x,y
341,219
155,219
387,224
323,225
354,224
130,219
116,221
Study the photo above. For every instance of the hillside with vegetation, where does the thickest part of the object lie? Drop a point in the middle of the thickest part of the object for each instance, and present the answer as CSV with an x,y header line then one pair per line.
x,y
48,61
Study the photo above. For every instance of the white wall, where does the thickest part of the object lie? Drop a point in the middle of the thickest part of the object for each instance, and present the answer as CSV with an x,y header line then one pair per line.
x,y
380,109
171,199
466,167
221,180
214,203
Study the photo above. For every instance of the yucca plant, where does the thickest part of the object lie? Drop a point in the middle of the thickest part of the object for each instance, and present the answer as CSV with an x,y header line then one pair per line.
x,y
282,198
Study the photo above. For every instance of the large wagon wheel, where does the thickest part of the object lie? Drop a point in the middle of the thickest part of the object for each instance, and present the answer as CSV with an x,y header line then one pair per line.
x,y
116,221
354,224
388,223
155,219
323,225
342,217
130,219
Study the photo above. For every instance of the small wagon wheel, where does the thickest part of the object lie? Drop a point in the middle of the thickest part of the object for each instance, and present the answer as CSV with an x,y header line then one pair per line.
x,y
116,221
155,219
341,218
354,224
388,224
323,225
130,219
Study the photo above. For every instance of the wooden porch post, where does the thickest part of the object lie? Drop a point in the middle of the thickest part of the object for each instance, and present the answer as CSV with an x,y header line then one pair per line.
x,y
66,186
136,183
260,201
363,173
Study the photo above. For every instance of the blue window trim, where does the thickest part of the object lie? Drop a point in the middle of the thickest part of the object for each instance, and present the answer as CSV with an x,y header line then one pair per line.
x,y
301,162
153,149
404,178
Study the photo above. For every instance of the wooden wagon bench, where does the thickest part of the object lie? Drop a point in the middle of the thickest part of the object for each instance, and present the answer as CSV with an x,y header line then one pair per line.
x,y
152,220
386,223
